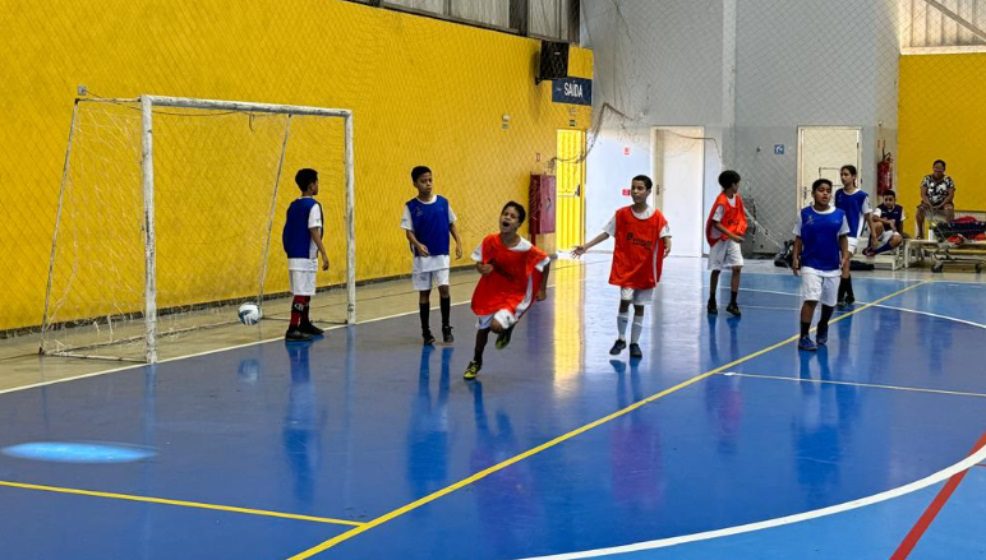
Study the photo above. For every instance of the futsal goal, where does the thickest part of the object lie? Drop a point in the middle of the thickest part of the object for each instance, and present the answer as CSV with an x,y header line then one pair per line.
x,y
169,217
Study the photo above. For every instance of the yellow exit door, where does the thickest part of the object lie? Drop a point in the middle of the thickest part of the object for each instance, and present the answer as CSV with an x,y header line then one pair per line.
x,y
570,189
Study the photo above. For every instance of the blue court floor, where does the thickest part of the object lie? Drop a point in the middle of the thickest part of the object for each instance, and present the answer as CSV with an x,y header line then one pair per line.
x,y
366,445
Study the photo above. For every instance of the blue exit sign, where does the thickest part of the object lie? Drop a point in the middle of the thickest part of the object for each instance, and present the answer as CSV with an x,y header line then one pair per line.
x,y
577,91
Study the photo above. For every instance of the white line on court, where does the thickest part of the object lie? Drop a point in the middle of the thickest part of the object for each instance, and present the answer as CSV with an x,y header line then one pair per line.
x,y
396,315
198,354
882,306
935,315
935,478
854,384
236,346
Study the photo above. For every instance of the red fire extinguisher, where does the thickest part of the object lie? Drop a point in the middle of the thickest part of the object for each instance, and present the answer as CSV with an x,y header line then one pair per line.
x,y
885,174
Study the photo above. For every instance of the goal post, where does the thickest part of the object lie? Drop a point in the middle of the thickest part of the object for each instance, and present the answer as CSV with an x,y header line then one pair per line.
x,y
219,200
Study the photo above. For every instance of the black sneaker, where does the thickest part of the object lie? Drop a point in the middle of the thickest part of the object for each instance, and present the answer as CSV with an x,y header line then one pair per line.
x,y
733,309
618,347
850,300
296,334
447,337
635,351
429,339
310,329
712,308
841,304
822,338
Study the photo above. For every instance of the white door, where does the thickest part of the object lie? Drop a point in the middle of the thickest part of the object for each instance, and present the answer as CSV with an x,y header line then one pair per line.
x,y
678,171
822,151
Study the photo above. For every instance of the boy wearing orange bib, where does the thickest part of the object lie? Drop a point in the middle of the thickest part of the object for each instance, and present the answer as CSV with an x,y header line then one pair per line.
x,y
515,273
724,230
642,240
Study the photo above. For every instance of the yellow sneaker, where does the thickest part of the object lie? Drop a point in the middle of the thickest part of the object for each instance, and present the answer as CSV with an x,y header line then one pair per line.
x,y
472,370
503,339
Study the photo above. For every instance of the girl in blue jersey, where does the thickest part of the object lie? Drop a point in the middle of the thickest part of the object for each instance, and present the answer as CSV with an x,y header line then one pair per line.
x,y
821,256
856,204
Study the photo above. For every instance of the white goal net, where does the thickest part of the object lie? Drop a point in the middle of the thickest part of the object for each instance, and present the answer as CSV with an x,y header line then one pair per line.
x,y
170,214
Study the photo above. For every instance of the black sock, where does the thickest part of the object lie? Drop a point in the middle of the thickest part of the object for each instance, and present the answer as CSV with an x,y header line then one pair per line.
x,y
732,297
424,311
805,327
482,336
842,290
446,305
849,293
823,321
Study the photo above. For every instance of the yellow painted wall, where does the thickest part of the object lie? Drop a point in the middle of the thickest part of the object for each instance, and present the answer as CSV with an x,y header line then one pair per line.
x,y
422,91
942,111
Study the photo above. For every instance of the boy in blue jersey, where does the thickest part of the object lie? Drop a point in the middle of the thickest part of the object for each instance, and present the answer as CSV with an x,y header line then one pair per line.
x,y
821,255
427,222
888,225
302,240
891,213
856,204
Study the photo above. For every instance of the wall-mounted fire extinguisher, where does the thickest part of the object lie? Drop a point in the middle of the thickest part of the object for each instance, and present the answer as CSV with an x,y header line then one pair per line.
x,y
885,174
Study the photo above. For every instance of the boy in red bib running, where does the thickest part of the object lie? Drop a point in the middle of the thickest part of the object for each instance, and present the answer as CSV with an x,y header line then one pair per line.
x,y
724,231
642,239
515,272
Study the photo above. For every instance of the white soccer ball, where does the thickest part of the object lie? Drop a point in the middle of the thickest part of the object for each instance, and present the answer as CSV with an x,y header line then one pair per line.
x,y
249,314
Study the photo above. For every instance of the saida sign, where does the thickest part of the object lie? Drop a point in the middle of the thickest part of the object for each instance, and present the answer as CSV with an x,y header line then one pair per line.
x,y
577,91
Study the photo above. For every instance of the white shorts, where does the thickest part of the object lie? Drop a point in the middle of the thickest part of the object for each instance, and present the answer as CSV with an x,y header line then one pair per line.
x,y
725,254
423,281
638,297
503,316
885,238
302,282
815,287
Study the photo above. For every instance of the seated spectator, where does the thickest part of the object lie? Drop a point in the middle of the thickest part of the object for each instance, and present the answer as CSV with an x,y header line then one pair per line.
x,y
890,214
937,196
888,226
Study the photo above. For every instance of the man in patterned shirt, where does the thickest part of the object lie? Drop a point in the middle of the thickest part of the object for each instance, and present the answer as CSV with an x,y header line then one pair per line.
x,y
937,196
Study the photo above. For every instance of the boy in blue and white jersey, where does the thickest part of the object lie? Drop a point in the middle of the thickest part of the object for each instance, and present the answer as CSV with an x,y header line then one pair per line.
x,y
302,240
821,256
856,204
427,222
888,225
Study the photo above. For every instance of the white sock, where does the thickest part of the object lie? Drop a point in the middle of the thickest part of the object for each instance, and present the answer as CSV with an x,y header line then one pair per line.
x,y
638,325
621,325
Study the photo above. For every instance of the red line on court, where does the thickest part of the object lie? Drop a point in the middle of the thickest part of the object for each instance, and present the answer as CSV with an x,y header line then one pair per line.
x,y
916,532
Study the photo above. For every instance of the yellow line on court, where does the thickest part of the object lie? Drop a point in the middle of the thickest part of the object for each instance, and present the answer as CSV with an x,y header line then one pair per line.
x,y
562,438
181,503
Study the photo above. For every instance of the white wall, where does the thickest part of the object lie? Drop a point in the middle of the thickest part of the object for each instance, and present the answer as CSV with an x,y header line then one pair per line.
x,y
667,63
681,197
615,159
650,65
808,63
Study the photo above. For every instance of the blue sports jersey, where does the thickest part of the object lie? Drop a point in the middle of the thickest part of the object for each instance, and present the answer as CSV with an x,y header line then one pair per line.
x,y
431,224
296,238
819,234
894,213
852,205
